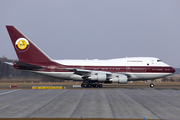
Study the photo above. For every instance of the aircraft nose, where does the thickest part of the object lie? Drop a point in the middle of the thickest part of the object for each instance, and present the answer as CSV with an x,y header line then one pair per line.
x,y
173,70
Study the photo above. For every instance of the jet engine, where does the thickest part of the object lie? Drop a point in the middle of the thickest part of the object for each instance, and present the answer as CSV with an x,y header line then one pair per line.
x,y
121,79
99,77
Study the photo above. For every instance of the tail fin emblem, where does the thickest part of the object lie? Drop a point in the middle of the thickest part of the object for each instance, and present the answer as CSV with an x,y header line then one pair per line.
x,y
22,44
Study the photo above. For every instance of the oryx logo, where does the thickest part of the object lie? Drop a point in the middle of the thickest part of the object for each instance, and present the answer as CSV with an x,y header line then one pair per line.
x,y
22,44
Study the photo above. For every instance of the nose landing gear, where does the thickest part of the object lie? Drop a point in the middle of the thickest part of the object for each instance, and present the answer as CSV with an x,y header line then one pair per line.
x,y
152,83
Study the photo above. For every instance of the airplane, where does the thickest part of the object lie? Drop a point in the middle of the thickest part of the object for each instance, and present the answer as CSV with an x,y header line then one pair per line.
x,y
91,72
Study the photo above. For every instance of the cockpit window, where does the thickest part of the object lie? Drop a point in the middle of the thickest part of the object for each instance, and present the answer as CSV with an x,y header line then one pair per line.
x,y
158,60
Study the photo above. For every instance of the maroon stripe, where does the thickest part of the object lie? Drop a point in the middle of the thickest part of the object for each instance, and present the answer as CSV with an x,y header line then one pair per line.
x,y
116,69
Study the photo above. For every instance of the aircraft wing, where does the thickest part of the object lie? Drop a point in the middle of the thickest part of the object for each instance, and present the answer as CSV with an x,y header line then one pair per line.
x,y
78,70
102,76
84,72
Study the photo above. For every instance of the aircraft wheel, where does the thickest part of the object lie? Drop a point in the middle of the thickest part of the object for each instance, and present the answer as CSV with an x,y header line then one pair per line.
x,y
89,85
85,85
151,85
100,85
95,85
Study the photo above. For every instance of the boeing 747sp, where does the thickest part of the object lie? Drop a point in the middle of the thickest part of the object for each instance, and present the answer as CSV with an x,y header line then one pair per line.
x,y
91,72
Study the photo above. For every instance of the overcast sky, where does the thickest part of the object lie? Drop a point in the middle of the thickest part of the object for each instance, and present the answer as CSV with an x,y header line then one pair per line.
x,y
95,29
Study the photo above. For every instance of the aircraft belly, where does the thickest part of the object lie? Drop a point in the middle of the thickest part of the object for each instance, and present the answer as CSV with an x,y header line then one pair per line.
x,y
147,76
61,75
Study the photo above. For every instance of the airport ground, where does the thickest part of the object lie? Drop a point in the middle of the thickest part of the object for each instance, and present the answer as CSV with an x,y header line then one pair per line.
x,y
69,119
118,103
27,84
115,101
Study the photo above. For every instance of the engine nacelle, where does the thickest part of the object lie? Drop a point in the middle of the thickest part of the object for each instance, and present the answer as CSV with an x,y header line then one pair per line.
x,y
121,79
99,77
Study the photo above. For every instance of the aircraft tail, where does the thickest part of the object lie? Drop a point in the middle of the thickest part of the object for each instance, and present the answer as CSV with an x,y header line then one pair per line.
x,y
26,51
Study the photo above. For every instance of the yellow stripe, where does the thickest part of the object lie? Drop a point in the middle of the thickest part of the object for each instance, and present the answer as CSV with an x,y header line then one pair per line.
x,y
47,87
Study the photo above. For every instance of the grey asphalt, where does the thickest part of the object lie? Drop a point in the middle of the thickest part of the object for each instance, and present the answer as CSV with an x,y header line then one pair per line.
x,y
90,103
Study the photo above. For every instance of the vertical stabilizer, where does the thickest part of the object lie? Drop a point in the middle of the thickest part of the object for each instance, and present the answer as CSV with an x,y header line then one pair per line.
x,y
25,49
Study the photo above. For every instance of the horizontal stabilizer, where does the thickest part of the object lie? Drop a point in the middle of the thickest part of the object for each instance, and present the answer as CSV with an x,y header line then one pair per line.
x,y
26,66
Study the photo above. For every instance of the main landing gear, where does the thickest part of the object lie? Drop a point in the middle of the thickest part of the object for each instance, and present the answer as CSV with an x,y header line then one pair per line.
x,y
90,84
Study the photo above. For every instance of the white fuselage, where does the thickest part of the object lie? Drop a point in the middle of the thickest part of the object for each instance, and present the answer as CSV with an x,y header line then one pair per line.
x,y
138,68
